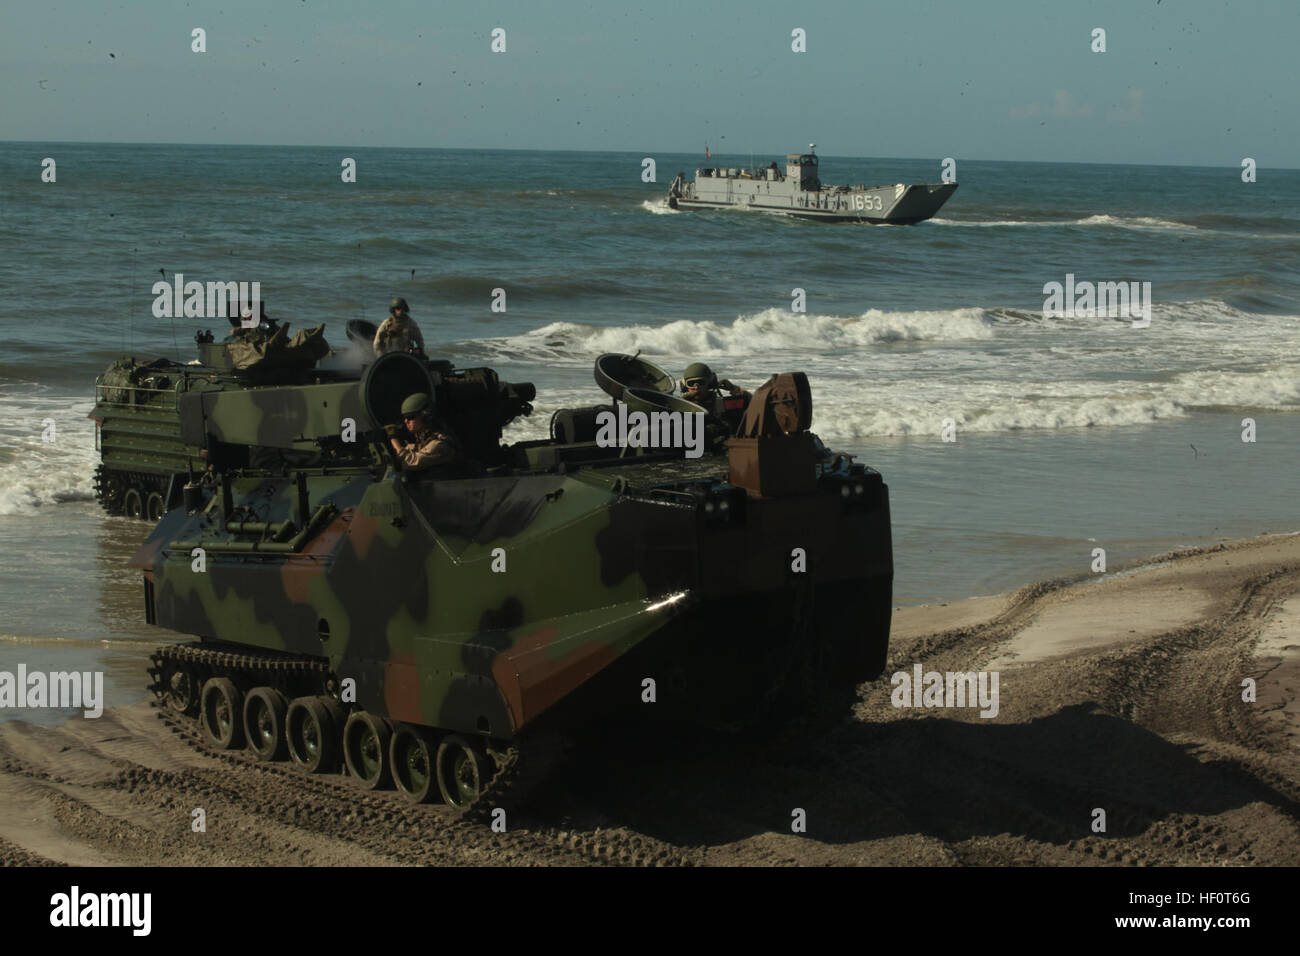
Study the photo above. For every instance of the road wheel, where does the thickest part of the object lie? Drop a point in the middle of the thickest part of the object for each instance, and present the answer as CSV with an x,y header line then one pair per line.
x,y
366,743
109,487
132,503
313,734
181,689
221,712
411,757
265,710
154,507
463,771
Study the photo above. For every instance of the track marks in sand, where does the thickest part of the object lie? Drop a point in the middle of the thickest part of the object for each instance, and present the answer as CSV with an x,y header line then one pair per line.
x,y
1146,723
1149,727
424,835
13,855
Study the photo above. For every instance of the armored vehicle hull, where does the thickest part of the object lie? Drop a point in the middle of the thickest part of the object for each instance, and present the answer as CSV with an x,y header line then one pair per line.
x,y
445,630
144,462
137,435
799,192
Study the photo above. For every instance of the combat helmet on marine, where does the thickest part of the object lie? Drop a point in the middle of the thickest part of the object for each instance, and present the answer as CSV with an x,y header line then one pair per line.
x,y
698,372
416,403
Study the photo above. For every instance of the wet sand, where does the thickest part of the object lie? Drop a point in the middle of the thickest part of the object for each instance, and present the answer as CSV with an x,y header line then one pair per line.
x,y
1120,692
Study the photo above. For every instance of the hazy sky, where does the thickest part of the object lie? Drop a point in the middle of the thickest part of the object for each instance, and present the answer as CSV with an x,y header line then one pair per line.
x,y
1203,82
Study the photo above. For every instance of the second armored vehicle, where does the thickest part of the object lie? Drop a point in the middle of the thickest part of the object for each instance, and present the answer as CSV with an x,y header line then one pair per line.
x,y
144,462
799,192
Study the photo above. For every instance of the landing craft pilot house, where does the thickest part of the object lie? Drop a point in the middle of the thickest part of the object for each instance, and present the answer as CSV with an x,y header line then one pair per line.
x,y
801,170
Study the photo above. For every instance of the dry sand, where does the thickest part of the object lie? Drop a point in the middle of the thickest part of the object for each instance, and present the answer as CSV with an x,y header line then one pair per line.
x,y
1120,691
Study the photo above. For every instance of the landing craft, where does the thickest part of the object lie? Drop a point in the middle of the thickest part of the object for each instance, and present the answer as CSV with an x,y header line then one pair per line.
x,y
448,631
799,192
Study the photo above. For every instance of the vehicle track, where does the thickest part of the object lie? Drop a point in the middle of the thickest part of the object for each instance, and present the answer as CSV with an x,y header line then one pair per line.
x,y
386,823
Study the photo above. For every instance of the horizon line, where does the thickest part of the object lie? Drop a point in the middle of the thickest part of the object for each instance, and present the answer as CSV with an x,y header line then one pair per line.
x,y
520,149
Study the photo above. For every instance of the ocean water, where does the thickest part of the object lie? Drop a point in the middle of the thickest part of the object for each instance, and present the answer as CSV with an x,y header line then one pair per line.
x,y
1071,433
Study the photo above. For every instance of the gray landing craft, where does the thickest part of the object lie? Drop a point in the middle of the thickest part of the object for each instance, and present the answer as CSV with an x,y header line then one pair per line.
x,y
799,192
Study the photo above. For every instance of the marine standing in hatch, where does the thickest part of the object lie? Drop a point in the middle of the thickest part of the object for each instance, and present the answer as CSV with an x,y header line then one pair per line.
x,y
398,332
430,447
700,385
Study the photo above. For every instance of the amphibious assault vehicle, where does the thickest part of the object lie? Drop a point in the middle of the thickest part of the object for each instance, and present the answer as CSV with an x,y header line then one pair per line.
x,y
799,192
446,631
144,463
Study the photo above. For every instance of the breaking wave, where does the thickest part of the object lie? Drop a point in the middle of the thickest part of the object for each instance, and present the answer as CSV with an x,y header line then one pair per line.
x,y
987,406
768,332
33,472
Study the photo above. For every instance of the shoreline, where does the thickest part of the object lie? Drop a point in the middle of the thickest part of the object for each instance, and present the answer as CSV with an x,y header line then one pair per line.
x,y
989,604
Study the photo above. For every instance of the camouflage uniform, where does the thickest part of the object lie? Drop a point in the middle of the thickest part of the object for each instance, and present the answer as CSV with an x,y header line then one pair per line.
x,y
397,333
429,448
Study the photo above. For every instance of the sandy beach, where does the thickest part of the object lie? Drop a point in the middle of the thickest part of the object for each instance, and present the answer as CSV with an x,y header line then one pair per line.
x,y
1120,692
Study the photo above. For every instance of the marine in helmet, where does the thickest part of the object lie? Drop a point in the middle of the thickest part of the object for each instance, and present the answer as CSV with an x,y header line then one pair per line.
x,y
700,385
398,332
430,446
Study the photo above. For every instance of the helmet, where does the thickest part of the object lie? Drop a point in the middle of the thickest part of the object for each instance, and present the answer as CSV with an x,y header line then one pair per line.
x,y
398,305
696,371
414,404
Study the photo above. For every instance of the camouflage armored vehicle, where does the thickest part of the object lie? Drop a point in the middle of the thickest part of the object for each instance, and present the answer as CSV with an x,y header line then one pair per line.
x,y
143,461
445,631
